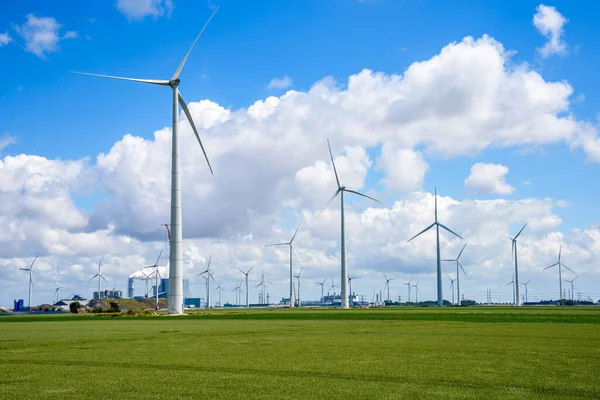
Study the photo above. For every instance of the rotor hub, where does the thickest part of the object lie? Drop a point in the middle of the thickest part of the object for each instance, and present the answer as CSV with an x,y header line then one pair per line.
x,y
174,82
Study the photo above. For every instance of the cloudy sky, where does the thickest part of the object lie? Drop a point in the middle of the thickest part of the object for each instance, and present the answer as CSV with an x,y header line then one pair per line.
x,y
494,103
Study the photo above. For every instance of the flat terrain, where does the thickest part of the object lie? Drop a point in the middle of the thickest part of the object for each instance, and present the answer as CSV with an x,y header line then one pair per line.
x,y
464,353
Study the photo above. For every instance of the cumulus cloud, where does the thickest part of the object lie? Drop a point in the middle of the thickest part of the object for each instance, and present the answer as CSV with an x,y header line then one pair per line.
x,y
549,22
488,179
272,167
280,83
5,39
42,35
140,9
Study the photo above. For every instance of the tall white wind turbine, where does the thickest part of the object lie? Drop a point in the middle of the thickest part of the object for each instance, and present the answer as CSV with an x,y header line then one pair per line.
x,y
292,252
458,264
30,279
560,265
99,275
438,225
246,274
175,291
516,276
344,268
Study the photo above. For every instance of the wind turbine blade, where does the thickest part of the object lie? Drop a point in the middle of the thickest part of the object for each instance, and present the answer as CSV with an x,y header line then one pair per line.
x,y
296,232
520,231
297,256
574,278
250,270
550,266
567,267
93,277
160,82
36,257
423,231
461,251
363,195
176,75
277,244
385,277
327,205
159,254
461,267
191,121
449,230
559,252
333,163
208,266
448,260
241,271
103,278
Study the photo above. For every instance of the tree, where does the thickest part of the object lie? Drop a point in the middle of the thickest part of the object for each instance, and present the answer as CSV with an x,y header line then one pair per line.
x,y
114,306
74,306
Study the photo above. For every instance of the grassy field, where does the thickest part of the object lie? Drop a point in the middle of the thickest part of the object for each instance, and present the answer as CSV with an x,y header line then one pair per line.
x,y
499,353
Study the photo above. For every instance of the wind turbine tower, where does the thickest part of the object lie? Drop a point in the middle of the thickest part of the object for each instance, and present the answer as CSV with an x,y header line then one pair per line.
x,y
246,274
458,264
516,276
30,279
344,268
438,225
560,265
175,257
292,251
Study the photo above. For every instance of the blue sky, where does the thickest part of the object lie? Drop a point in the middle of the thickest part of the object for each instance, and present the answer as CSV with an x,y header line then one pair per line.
x,y
61,116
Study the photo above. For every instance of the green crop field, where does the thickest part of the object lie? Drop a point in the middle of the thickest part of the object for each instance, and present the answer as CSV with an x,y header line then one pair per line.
x,y
498,353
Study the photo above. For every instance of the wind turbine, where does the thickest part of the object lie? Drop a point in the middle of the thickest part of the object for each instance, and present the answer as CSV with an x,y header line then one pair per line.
x,y
387,284
30,278
322,288
350,279
525,284
341,190
333,286
416,286
513,283
440,301
208,277
220,289
458,264
572,287
156,277
246,273
175,291
292,250
298,278
56,291
99,275
452,287
516,276
409,285
560,264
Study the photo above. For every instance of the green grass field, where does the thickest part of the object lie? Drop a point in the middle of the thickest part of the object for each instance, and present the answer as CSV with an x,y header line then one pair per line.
x,y
499,353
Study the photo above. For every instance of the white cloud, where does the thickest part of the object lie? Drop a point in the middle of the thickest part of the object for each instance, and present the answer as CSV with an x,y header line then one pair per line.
x,y
280,83
5,39
549,22
139,9
488,179
5,141
41,35
272,166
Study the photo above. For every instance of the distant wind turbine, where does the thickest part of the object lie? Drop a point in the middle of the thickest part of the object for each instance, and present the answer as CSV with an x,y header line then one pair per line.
x,y
341,190
409,286
350,279
513,286
572,287
416,286
292,251
220,289
559,264
525,284
387,285
440,300
156,278
29,270
175,291
208,277
458,264
56,290
452,287
246,274
99,275
322,287
516,275
298,278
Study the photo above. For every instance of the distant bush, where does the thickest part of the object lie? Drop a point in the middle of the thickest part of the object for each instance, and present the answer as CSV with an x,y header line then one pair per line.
x,y
97,310
74,306
114,306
